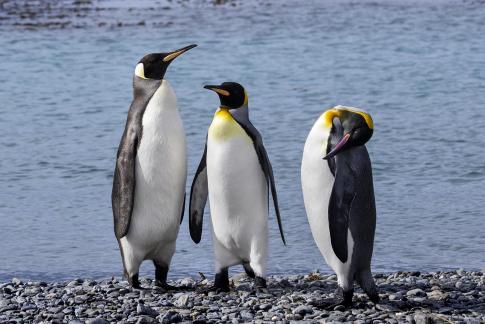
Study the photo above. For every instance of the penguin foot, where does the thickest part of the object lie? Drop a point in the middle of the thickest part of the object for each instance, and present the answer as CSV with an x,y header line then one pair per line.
x,y
213,288
165,286
374,298
260,283
134,282
221,281
345,301
249,271
330,305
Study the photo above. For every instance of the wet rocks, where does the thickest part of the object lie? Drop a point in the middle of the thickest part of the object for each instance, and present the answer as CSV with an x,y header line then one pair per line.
x,y
420,298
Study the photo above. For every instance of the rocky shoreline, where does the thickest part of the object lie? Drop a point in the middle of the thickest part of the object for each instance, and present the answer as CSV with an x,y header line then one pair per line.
x,y
412,297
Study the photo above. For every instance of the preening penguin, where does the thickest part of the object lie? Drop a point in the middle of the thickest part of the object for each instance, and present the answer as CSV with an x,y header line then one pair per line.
x,y
235,172
336,176
148,194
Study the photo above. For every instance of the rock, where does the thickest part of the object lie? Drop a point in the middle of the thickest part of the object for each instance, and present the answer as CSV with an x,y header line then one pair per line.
x,y
386,308
16,281
340,308
436,295
144,319
182,301
265,307
171,317
141,309
421,318
303,310
187,282
246,315
97,321
416,293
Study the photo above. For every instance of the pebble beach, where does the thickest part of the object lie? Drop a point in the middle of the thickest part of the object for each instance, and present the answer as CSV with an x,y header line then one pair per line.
x,y
406,297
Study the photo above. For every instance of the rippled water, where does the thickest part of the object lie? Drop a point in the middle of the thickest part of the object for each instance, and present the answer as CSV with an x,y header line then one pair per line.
x,y
419,68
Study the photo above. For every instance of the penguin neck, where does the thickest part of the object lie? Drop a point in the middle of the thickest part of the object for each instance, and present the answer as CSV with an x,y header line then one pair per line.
x,y
143,89
241,113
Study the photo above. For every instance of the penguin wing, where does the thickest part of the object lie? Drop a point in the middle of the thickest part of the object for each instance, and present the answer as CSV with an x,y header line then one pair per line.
x,y
198,199
265,164
123,194
352,203
339,211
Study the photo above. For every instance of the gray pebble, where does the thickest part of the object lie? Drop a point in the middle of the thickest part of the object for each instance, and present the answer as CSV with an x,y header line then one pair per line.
x,y
145,310
416,293
96,321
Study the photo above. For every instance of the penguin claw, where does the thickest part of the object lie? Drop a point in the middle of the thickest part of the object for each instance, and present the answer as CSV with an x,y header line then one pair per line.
x,y
215,289
165,286
329,305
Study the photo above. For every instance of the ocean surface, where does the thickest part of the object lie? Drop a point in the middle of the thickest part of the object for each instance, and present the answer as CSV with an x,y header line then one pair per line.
x,y
417,67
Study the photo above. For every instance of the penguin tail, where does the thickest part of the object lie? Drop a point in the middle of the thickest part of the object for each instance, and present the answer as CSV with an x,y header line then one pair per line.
x,y
365,280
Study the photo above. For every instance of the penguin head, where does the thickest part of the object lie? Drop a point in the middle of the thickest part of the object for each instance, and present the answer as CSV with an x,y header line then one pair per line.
x,y
357,126
231,94
153,66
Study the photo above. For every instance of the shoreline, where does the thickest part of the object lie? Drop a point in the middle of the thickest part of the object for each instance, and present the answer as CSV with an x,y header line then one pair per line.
x,y
433,297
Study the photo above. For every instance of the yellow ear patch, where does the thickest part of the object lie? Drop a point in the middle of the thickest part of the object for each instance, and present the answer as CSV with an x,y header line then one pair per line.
x,y
327,117
366,116
140,71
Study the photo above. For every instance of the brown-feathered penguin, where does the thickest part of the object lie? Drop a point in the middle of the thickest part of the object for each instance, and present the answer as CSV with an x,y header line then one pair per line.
x,y
336,177
151,169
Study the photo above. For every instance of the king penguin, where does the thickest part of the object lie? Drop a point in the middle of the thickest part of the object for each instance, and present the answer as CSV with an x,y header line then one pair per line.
x,y
148,194
336,176
235,172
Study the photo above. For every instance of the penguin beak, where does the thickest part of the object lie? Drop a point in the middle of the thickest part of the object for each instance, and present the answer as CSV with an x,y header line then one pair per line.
x,y
340,145
218,90
171,56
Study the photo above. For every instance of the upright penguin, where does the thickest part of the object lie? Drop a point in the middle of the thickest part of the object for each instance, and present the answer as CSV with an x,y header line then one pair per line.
x,y
235,172
336,176
148,194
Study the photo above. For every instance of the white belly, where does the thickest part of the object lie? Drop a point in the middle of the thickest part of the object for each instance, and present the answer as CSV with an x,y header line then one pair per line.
x,y
161,171
317,183
237,194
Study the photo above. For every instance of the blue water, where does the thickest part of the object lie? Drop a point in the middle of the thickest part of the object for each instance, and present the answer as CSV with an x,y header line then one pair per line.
x,y
418,68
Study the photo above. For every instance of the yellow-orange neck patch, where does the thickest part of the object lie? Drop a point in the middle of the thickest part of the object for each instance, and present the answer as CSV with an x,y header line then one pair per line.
x,y
223,125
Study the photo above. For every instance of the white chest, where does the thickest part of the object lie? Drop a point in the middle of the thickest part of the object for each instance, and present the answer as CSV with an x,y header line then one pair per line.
x,y
237,187
317,184
160,169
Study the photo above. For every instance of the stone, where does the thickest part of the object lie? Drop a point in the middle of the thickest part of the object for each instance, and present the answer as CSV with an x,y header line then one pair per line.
x,y
145,319
421,318
303,310
141,309
97,320
182,301
246,315
171,317
416,293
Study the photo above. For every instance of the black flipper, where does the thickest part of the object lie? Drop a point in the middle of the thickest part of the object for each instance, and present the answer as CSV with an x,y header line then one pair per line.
x,y
198,199
339,211
240,116
183,209
123,194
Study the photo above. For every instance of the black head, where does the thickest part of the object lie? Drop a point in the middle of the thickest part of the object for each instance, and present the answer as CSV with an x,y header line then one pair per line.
x,y
231,94
153,66
357,125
